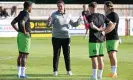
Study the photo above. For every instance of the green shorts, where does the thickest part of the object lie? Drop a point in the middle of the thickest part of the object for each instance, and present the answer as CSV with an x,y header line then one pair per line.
x,y
96,49
112,45
23,42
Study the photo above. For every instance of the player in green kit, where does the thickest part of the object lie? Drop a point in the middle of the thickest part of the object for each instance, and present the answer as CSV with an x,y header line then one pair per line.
x,y
112,38
23,37
96,39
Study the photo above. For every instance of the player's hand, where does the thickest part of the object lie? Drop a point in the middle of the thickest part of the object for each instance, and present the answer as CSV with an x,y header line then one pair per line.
x,y
80,20
49,21
17,30
49,18
27,34
85,36
101,29
103,33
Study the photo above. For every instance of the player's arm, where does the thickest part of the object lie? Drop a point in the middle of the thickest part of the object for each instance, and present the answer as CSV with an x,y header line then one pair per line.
x,y
86,33
13,23
50,20
86,24
94,27
23,22
82,13
75,23
115,19
109,27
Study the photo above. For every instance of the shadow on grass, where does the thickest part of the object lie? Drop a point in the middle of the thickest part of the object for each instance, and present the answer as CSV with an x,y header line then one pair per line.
x,y
31,75
10,76
50,77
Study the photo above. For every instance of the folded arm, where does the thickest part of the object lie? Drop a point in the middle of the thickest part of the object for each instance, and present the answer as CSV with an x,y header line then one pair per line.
x,y
94,27
110,27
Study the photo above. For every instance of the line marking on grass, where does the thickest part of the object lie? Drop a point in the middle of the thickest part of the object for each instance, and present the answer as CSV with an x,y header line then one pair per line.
x,y
5,58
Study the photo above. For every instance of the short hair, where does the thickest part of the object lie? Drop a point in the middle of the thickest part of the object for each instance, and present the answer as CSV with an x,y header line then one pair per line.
x,y
1,7
27,4
109,4
93,4
84,5
60,1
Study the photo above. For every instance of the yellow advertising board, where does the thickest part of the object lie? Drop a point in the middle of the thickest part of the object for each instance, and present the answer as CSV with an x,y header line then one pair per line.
x,y
40,29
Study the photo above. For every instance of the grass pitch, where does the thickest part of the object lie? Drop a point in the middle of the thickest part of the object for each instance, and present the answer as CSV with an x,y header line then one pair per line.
x,y
39,66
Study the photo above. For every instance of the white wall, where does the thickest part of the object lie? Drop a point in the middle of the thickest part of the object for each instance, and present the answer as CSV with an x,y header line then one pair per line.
x,y
6,29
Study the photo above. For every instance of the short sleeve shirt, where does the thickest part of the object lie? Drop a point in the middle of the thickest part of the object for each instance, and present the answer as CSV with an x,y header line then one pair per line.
x,y
113,35
23,16
99,20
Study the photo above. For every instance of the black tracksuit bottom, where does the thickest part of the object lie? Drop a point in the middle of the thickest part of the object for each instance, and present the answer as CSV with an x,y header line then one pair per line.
x,y
57,44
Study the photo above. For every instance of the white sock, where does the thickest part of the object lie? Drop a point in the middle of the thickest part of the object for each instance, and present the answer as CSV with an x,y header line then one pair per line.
x,y
22,71
94,73
100,73
114,69
19,70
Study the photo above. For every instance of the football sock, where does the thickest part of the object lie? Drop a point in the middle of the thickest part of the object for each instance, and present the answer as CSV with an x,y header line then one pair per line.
x,y
22,71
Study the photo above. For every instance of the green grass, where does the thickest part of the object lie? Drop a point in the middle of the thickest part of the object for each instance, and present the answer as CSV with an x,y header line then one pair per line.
x,y
39,66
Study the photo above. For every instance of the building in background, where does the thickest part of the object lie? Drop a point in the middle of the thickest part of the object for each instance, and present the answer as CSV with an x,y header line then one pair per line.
x,y
77,1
